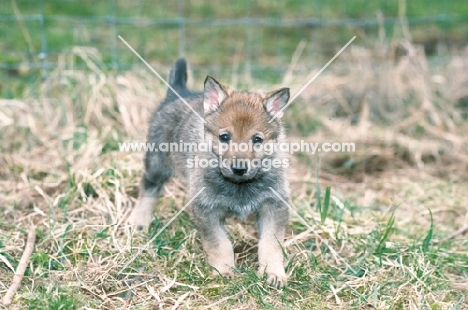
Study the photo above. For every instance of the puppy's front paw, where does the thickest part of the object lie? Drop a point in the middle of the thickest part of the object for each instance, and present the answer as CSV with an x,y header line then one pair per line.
x,y
276,278
221,258
223,270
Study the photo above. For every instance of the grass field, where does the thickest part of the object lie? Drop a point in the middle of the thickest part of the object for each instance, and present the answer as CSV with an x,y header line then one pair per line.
x,y
35,35
394,235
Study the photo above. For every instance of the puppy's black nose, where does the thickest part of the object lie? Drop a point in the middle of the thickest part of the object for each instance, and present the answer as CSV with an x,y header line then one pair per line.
x,y
238,170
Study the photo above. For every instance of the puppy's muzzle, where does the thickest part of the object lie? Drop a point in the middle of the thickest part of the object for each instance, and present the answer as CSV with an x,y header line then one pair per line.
x,y
239,170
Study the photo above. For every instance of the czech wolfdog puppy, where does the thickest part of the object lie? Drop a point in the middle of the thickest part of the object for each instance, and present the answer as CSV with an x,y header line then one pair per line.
x,y
233,181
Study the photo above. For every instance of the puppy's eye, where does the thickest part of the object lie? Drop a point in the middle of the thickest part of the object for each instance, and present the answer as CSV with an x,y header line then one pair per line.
x,y
224,137
256,140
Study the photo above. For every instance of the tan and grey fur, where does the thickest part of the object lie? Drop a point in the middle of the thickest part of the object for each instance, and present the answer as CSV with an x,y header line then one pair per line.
x,y
229,190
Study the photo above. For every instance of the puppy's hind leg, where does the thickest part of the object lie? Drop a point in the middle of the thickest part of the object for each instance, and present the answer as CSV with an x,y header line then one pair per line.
x,y
152,183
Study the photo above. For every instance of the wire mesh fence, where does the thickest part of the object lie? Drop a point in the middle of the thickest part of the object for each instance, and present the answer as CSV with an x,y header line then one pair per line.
x,y
252,39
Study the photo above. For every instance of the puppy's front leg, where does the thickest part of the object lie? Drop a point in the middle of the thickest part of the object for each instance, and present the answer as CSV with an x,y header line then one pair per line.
x,y
217,247
272,221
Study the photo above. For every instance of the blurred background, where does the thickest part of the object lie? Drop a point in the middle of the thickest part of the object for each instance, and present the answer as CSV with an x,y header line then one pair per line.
x,y
254,40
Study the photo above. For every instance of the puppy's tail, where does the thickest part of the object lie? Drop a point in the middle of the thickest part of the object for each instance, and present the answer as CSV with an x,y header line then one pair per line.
x,y
178,77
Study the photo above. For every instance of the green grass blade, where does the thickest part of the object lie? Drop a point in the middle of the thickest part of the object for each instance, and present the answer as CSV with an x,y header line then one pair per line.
x,y
428,238
326,205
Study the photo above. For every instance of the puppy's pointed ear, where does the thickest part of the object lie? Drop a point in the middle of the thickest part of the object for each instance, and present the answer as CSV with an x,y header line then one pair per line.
x,y
215,94
274,101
